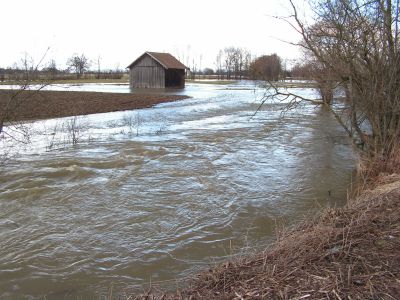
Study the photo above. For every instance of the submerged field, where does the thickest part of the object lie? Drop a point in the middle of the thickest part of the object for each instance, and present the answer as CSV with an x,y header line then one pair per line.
x,y
160,193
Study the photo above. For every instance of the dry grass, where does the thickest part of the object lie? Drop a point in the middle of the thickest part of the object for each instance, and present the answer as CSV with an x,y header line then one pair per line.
x,y
347,253
371,171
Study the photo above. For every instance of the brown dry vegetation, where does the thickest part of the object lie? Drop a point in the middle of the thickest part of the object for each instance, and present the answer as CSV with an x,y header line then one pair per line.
x,y
346,253
30,105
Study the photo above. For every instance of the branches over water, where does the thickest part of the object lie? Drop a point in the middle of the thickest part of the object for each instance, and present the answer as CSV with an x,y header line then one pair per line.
x,y
352,48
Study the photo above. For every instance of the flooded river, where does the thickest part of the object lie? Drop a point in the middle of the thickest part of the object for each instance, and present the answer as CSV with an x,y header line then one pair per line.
x,y
159,193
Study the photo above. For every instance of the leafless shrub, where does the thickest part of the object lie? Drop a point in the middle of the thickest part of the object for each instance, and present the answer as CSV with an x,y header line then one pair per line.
x,y
133,120
53,134
75,127
14,133
162,124
353,45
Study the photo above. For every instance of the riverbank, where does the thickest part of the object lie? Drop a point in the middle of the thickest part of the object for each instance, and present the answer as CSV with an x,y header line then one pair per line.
x,y
32,105
345,253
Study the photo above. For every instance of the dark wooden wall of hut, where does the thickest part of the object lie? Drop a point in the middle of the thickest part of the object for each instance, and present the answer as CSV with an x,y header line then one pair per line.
x,y
175,78
147,73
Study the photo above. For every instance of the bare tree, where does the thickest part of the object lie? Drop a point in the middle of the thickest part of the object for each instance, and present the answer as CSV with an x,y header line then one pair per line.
x,y
353,46
229,53
51,70
80,64
233,62
218,65
14,131
247,63
75,127
98,67
301,71
193,70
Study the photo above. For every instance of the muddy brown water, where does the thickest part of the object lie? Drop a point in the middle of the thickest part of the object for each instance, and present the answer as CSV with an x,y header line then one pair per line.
x,y
124,208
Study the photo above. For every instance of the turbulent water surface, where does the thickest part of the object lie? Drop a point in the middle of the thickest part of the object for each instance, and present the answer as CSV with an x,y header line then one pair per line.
x,y
159,193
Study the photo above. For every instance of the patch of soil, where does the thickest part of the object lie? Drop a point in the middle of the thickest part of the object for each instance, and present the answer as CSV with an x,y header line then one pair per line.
x,y
32,105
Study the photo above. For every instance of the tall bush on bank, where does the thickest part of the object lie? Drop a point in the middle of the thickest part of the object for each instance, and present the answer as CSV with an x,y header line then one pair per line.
x,y
354,44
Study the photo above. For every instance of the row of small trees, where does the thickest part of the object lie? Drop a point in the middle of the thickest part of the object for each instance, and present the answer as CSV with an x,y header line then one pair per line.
x,y
77,66
231,63
238,63
80,64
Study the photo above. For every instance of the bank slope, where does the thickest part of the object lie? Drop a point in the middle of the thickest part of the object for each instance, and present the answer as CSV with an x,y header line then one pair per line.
x,y
346,253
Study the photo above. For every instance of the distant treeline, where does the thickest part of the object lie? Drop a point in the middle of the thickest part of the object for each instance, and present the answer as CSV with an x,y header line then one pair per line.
x,y
231,63
78,67
11,74
238,63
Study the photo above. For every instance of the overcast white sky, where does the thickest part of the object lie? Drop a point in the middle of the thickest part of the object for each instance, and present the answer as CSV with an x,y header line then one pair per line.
x,y
119,31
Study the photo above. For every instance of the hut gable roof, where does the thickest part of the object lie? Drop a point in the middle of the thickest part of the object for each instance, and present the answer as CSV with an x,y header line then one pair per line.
x,y
164,59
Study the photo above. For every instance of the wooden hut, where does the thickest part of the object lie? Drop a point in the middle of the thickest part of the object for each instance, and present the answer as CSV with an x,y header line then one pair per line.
x,y
157,70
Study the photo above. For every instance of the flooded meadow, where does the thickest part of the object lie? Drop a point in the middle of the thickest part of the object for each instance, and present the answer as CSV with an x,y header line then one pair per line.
x,y
132,197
